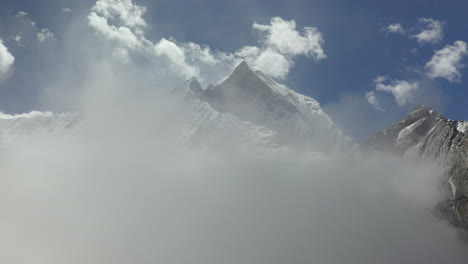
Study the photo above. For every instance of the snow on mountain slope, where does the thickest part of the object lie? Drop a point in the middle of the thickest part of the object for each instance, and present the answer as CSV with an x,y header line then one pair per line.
x,y
430,135
247,110
463,127
33,124
257,98
208,127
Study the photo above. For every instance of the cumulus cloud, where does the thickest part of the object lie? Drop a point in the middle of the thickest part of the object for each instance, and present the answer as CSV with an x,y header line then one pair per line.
x,y
248,52
372,99
402,90
119,190
272,63
176,56
283,36
44,34
6,60
31,114
126,12
394,28
129,194
21,14
66,10
432,31
447,62
280,42
123,35
119,20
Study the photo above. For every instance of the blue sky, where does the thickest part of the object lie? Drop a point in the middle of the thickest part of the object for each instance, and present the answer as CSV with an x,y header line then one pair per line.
x,y
358,46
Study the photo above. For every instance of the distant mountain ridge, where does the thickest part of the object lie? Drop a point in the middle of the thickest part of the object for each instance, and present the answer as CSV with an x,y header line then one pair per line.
x,y
426,133
247,110
292,119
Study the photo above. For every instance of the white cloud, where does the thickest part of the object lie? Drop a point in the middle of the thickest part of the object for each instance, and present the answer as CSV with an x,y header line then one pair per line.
x,y
126,12
123,35
17,38
119,20
25,115
394,28
280,43
433,31
401,90
191,59
371,98
447,62
44,34
66,10
268,61
248,52
203,54
283,36
271,63
175,55
21,14
6,59
121,55
122,21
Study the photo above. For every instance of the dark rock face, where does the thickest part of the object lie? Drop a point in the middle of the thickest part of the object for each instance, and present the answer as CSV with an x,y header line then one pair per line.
x,y
245,94
298,120
432,136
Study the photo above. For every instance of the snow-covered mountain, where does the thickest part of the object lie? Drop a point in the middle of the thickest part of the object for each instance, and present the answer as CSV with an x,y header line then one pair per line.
x,y
247,110
34,123
428,134
262,110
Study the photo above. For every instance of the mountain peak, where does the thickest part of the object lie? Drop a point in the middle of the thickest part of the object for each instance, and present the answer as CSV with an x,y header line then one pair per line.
x,y
427,134
421,111
242,70
242,86
422,108
193,83
243,64
191,88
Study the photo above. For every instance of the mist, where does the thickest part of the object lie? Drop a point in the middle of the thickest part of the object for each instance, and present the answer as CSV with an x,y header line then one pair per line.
x,y
120,187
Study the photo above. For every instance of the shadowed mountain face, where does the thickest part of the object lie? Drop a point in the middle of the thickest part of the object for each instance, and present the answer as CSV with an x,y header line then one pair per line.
x,y
298,120
248,108
430,135
247,95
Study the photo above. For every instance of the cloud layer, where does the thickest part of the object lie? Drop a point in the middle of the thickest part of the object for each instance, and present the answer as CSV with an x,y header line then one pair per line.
x,y
372,99
279,44
6,60
447,62
401,90
119,190
432,31
428,30
395,28
44,34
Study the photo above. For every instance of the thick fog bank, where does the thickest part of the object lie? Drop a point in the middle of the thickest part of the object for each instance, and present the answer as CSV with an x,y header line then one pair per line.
x,y
120,190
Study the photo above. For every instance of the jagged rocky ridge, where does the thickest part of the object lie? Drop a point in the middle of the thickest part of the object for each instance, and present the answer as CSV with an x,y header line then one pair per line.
x,y
33,124
426,133
255,111
248,110
262,111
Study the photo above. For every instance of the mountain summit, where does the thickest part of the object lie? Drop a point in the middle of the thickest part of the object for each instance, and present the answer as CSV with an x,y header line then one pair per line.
x,y
253,97
248,108
426,133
